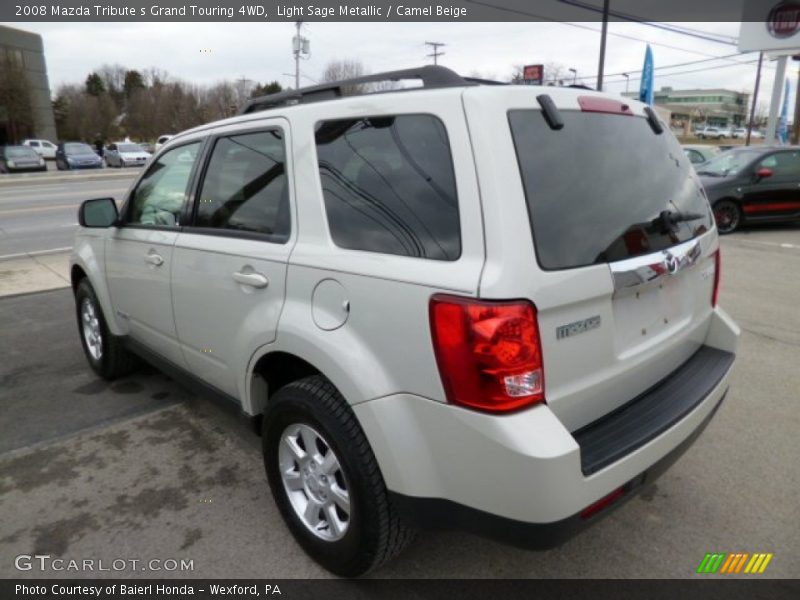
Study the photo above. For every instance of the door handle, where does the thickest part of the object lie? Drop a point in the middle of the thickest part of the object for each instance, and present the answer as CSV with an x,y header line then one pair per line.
x,y
256,280
154,259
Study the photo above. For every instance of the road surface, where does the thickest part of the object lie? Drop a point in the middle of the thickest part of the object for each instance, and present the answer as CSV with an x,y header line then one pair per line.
x,y
40,217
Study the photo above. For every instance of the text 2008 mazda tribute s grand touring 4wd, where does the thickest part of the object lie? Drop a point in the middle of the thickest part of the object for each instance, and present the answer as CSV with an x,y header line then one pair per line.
x,y
483,307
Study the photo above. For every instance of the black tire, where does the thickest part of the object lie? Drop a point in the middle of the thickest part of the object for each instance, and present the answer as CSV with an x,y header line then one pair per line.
x,y
114,359
375,532
728,215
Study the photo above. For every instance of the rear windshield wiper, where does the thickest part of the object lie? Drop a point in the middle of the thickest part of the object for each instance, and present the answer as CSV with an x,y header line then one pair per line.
x,y
667,219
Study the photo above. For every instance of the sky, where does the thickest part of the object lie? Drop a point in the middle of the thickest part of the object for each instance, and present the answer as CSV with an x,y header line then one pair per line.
x,y
205,53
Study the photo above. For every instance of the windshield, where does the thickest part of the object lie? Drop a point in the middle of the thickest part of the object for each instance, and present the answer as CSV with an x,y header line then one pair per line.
x,y
78,149
20,152
729,163
129,148
605,188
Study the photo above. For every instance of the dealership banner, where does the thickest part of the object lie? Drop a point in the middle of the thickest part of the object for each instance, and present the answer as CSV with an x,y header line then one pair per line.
x,y
396,589
366,10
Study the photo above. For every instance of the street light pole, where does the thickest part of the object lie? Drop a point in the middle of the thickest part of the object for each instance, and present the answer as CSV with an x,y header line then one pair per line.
x,y
627,81
574,76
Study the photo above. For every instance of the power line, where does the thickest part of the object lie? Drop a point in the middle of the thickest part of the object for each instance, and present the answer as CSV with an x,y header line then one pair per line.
x,y
749,62
587,28
683,64
665,26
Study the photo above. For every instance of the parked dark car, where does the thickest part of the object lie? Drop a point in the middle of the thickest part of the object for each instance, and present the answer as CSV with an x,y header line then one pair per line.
x,y
15,159
748,185
77,155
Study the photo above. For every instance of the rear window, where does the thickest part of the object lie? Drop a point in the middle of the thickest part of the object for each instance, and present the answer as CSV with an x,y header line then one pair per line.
x,y
596,188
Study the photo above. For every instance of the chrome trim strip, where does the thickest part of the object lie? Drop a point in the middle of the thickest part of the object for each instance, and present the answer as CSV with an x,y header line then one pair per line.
x,y
648,268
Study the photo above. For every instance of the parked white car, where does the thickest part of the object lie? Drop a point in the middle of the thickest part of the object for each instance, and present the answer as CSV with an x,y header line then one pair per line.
x,y
451,305
714,133
44,148
125,154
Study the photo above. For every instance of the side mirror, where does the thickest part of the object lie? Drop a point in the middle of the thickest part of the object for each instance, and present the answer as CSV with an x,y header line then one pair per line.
x,y
99,212
763,173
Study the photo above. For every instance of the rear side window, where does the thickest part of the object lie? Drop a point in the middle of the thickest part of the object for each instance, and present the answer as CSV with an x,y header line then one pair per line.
x,y
596,188
245,186
389,186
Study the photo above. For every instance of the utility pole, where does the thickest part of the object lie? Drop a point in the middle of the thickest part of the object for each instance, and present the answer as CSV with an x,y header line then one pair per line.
x,y
603,35
301,48
755,99
435,53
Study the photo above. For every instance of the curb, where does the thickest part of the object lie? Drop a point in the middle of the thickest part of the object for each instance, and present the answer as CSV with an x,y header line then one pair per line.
x,y
17,180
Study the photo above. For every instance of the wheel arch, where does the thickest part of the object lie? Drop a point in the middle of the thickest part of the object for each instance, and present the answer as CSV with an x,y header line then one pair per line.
x,y
292,356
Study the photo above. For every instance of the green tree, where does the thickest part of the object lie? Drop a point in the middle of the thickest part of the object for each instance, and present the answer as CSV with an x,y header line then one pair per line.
x,y
272,87
94,85
133,82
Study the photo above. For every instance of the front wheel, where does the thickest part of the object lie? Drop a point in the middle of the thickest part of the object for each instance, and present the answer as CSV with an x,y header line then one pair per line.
x,y
104,351
728,216
326,481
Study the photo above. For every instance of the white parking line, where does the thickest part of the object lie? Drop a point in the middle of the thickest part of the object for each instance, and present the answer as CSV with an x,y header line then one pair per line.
x,y
762,243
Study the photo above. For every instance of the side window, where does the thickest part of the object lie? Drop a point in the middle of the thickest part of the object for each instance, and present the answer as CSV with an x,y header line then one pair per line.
x,y
35,144
159,197
783,164
389,186
245,187
694,156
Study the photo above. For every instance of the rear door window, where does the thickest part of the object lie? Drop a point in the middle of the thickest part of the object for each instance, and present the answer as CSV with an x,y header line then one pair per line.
x,y
245,187
597,189
389,186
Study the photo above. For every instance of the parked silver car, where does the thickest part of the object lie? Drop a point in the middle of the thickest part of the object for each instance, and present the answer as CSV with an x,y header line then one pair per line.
x,y
125,154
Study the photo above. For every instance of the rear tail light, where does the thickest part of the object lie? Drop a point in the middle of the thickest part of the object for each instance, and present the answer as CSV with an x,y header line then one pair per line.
x,y
717,267
489,354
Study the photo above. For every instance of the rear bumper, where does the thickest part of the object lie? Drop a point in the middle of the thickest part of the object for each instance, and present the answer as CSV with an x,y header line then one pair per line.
x,y
436,513
523,477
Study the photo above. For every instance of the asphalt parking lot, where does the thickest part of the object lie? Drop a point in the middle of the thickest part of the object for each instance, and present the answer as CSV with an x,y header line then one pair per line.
x,y
143,469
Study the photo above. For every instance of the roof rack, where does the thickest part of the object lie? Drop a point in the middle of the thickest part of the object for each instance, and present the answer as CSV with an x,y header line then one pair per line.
x,y
432,76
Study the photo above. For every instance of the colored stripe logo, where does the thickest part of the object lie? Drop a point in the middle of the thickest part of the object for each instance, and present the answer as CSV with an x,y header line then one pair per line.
x,y
736,562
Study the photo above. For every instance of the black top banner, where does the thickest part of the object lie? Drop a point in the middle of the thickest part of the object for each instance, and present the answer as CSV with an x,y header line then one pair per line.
x,y
370,10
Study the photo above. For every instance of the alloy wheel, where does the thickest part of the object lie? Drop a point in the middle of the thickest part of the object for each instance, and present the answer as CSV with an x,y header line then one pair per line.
x,y
314,482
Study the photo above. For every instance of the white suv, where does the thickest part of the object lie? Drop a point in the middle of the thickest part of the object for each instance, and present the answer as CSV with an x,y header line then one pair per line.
x,y
470,306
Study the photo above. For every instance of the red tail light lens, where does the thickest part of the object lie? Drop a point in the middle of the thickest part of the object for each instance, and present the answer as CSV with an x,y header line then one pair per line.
x,y
489,353
603,503
717,268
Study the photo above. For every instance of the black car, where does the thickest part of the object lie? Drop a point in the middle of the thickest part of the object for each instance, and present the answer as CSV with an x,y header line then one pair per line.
x,y
77,155
753,184
16,159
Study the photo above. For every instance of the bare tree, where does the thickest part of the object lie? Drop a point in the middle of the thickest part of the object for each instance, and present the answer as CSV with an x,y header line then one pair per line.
x,y
15,97
348,68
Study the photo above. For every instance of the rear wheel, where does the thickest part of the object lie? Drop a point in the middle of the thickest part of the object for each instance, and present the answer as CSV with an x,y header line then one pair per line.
x,y
104,351
728,216
326,482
